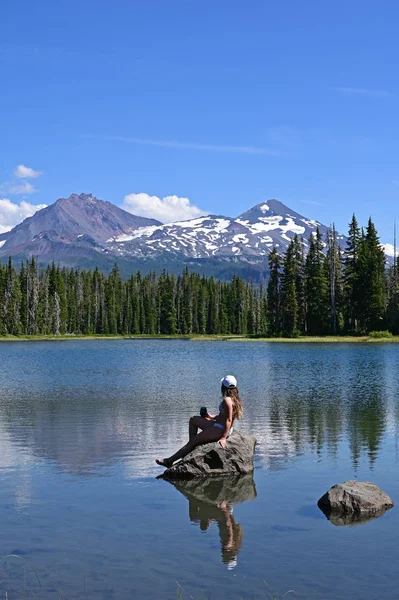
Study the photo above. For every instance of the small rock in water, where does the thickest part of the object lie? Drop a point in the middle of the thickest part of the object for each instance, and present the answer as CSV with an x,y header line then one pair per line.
x,y
354,501
211,459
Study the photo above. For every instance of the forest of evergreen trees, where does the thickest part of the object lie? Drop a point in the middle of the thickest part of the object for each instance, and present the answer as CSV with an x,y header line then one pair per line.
x,y
327,291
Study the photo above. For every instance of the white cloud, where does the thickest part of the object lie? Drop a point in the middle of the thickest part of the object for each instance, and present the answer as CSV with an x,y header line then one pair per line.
x,y
166,210
363,91
389,249
23,172
11,214
15,186
19,188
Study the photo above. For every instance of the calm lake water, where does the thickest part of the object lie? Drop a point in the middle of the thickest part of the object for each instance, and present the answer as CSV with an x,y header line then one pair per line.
x,y
81,423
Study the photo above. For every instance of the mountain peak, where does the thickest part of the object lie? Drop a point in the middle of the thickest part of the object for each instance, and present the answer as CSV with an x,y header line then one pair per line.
x,y
82,197
268,208
78,199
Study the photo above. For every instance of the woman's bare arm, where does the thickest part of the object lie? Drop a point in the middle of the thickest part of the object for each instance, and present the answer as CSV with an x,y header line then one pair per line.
x,y
209,416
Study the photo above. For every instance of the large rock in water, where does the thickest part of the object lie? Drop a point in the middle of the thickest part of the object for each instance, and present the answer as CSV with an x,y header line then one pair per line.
x,y
211,459
355,498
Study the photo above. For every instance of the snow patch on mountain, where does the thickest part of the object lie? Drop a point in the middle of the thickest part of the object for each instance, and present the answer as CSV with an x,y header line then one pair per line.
x,y
142,231
272,223
311,223
218,224
241,237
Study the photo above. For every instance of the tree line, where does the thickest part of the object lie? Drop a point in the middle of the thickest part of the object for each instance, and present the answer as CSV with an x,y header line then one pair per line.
x,y
328,290
333,290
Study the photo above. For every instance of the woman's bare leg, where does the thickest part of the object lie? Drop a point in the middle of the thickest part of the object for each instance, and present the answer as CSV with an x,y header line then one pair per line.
x,y
211,434
196,423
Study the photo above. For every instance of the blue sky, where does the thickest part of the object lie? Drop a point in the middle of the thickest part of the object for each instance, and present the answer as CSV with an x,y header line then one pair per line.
x,y
222,102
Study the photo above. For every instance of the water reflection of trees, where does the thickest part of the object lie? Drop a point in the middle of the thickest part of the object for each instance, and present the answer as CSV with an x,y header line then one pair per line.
x,y
84,433
211,501
366,426
357,416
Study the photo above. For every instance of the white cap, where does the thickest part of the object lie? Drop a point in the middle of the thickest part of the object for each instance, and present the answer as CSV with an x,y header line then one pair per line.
x,y
229,381
232,564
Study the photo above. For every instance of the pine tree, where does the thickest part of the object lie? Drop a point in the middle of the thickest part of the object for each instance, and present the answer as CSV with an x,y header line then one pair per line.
x,y
14,318
166,302
333,266
352,284
316,287
23,280
56,314
79,302
374,281
202,306
44,316
224,321
187,303
262,312
212,326
60,287
289,296
32,296
300,284
273,294
135,324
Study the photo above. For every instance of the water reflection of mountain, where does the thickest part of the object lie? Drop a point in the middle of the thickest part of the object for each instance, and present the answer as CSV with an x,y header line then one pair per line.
x,y
211,501
87,437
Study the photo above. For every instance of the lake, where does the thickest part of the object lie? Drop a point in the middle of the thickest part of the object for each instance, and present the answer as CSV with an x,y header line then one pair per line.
x,y
82,421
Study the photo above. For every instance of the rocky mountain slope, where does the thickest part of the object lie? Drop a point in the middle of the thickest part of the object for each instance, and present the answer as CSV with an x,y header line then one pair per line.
x,y
70,229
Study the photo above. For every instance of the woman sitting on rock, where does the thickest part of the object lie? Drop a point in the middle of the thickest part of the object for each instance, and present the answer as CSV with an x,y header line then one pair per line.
x,y
215,428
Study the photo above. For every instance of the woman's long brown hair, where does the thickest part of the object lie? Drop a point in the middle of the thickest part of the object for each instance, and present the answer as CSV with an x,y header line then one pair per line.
x,y
234,394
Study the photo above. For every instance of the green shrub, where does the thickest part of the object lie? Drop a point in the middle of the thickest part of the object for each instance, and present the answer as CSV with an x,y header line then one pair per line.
x,y
380,334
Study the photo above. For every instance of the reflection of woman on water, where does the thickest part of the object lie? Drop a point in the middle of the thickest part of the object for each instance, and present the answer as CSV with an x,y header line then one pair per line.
x,y
215,428
230,533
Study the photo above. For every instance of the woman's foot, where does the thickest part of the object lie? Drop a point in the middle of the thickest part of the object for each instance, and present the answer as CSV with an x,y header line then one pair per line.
x,y
164,462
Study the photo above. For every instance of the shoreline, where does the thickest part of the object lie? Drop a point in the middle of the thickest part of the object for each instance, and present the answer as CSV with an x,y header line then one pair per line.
x,y
207,338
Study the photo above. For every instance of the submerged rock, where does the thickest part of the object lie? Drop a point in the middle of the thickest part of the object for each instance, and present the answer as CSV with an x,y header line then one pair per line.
x,y
211,459
355,500
353,519
213,491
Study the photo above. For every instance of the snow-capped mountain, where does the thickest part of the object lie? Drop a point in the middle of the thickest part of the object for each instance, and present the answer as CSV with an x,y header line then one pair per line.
x,y
248,237
82,231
